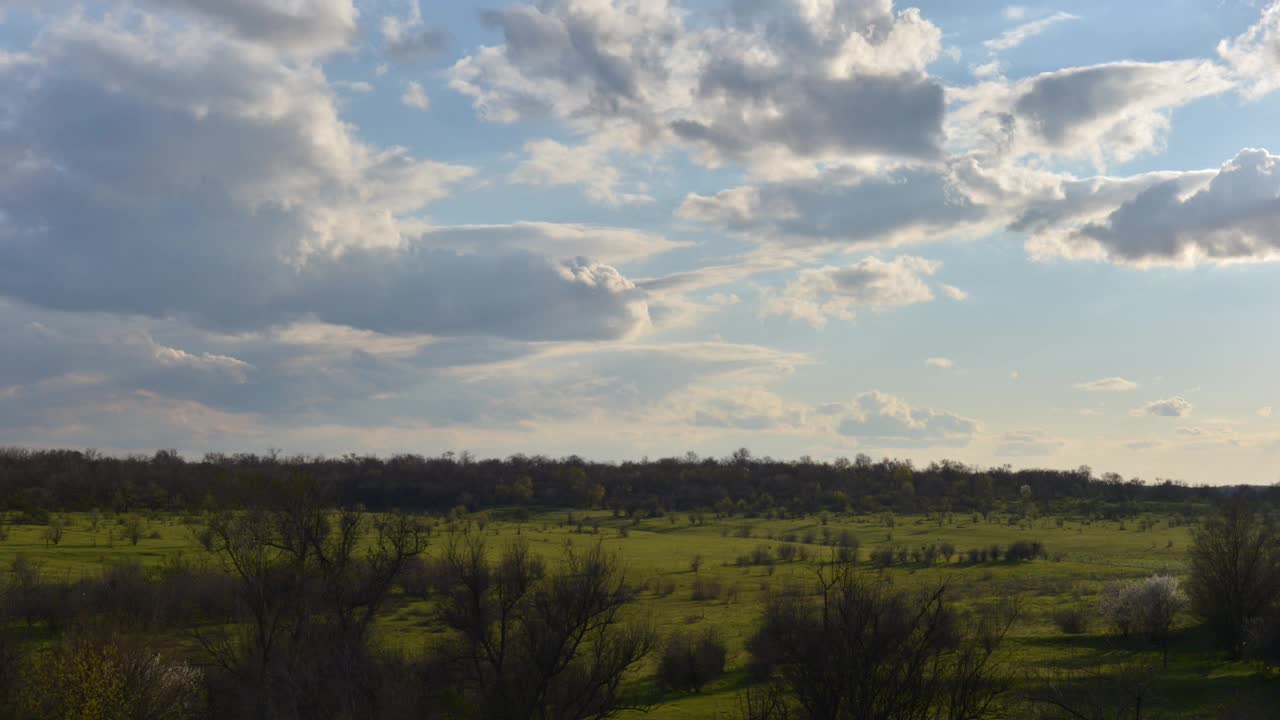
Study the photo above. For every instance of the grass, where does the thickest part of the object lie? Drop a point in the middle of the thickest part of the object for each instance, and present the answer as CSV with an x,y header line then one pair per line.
x,y
657,552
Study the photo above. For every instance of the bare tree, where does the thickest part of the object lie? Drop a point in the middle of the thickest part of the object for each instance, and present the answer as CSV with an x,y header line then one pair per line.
x,y
535,645
864,650
309,596
1118,692
1235,572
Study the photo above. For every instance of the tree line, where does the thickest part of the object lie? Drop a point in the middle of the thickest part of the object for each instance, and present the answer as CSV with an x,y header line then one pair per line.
x,y
39,481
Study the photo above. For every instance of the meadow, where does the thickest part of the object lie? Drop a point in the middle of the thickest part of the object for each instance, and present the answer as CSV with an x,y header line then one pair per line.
x,y
730,580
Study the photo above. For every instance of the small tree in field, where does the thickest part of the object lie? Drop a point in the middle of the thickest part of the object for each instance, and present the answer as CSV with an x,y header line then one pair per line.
x,y
133,530
54,531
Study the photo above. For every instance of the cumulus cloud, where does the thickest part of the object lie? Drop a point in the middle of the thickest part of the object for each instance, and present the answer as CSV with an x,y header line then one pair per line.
x,y
1223,217
1107,384
215,181
878,419
548,162
1028,443
1176,406
819,294
940,362
789,78
415,97
900,206
1014,37
1264,412
1105,113
409,40
1254,56
302,26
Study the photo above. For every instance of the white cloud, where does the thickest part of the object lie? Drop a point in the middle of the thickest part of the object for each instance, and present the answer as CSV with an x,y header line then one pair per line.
x,y
415,97
1107,384
548,162
954,293
1254,56
1176,406
940,362
1106,113
298,26
1264,412
817,295
1016,36
408,39
878,419
849,209
1015,12
1024,443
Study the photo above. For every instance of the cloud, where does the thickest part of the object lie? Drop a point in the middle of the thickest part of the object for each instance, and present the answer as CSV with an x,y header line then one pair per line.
x,y
878,419
610,245
768,81
852,210
1014,37
1229,218
547,162
408,40
1264,412
940,362
954,293
1028,443
1254,56
1113,112
1015,12
819,294
216,182
1176,406
1108,384
415,97
301,26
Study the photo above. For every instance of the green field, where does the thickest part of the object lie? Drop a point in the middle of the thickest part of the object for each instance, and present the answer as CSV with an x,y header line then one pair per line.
x,y
1082,556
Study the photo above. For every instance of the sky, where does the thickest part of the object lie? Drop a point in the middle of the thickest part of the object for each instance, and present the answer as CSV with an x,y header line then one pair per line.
x,y
1041,235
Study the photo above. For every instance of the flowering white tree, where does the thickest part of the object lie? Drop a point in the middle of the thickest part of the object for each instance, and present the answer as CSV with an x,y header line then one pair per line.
x,y
1143,607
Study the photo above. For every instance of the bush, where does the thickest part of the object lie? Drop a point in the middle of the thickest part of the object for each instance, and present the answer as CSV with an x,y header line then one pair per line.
x,y
882,556
786,552
706,589
762,555
1024,550
1071,620
689,662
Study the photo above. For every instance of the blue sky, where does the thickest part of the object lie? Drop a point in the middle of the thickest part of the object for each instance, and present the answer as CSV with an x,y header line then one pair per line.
x,y
1034,234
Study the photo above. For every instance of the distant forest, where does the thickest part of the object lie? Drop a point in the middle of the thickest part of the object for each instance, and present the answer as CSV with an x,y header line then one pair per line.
x,y
39,481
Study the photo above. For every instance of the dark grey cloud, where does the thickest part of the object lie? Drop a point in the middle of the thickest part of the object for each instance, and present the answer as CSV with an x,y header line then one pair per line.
x,y
1228,216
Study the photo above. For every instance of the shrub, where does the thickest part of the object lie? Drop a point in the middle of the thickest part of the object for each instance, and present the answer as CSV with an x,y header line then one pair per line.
x,y
786,552
1071,620
762,555
882,556
706,589
689,662
1024,550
